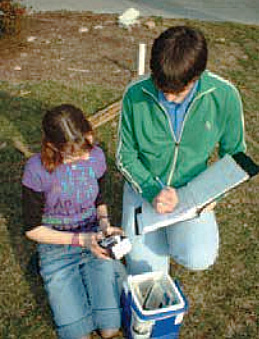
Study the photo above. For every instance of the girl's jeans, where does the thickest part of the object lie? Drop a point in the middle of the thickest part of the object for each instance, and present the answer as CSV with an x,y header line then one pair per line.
x,y
193,243
83,291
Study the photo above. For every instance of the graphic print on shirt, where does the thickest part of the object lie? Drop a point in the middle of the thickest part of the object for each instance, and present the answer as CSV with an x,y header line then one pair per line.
x,y
72,195
70,191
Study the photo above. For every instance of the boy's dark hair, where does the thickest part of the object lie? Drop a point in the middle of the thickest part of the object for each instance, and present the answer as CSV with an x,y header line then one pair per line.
x,y
66,132
178,56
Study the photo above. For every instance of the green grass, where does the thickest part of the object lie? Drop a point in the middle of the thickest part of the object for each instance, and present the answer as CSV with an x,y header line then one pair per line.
x,y
23,307
223,298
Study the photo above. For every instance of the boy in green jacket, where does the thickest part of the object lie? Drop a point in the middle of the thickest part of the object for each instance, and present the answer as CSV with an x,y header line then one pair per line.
x,y
171,121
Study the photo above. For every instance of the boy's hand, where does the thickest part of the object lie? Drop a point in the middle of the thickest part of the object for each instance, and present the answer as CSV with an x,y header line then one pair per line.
x,y
210,207
166,200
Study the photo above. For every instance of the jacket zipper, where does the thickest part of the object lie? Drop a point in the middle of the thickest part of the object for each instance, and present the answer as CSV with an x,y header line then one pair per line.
x,y
176,149
177,143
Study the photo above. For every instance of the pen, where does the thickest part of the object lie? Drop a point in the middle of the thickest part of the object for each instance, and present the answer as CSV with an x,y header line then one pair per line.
x,y
160,182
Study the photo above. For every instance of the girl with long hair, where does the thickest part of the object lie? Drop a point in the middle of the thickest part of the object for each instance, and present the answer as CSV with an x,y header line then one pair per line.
x,y
64,212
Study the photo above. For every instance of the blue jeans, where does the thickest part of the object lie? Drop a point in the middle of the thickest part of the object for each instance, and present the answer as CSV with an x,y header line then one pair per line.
x,y
83,291
193,243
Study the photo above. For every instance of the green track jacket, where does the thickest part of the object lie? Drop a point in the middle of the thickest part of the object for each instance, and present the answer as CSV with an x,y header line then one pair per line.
x,y
147,148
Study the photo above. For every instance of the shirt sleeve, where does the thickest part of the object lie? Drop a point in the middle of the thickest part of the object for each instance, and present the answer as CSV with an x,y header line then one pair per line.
x,y
127,155
100,200
32,176
100,162
232,140
32,207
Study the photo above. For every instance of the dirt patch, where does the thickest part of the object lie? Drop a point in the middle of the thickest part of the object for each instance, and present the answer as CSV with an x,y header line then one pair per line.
x,y
91,48
86,47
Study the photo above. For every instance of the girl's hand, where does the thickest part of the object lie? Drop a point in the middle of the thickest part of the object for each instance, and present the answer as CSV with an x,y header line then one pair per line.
x,y
90,241
104,224
112,230
107,229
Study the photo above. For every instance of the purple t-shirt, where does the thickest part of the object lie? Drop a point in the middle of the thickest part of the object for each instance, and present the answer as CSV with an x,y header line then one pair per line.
x,y
70,190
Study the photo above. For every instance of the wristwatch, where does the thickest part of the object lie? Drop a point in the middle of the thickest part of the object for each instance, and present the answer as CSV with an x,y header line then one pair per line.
x,y
75,240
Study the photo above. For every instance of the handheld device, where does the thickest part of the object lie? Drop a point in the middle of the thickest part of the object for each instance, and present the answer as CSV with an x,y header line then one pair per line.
x,y
117,245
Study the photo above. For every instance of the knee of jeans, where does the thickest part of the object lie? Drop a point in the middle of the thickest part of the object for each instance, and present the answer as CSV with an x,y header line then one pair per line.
x,y
201,263
140,265
198,262
137,266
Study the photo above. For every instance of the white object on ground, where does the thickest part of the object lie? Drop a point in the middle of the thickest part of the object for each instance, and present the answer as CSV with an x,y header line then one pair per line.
x,y
17,68
129,17
150,24
141,59
31,38
78,70
83,30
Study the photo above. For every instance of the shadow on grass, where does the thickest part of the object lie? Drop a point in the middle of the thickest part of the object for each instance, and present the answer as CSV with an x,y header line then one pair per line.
x,y
20,118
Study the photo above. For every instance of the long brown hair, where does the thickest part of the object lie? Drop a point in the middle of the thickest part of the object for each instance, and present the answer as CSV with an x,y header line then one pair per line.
x,y
66,132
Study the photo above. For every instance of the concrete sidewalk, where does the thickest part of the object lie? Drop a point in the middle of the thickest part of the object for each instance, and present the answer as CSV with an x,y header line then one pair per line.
x,y
243,11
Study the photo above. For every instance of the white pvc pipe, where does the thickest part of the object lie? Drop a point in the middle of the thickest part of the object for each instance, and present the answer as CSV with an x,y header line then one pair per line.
x,y
141,59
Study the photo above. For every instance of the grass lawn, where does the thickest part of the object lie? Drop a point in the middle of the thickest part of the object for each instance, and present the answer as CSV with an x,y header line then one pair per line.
x,y
223,300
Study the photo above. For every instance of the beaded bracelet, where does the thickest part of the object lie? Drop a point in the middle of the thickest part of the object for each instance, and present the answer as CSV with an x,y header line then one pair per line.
x,y
75,240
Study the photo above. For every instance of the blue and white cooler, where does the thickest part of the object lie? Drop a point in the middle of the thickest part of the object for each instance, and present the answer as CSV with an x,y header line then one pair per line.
x,y
153,306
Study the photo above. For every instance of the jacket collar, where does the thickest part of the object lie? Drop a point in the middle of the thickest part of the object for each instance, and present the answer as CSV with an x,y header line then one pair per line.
x,y
205,86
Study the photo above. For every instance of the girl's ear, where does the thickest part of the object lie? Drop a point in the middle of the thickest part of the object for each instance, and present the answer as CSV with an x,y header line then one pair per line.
x,y
90,138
